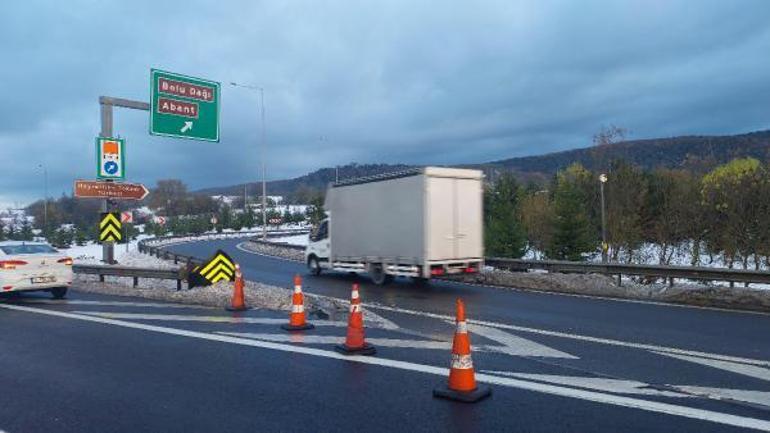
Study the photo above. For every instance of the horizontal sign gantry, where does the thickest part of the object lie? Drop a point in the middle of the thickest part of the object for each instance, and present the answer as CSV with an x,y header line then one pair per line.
x,y
122,191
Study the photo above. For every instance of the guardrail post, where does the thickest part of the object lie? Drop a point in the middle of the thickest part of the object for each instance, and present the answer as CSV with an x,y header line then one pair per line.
x,y
671,282
176,259
178,285
101,278
620,280
136,281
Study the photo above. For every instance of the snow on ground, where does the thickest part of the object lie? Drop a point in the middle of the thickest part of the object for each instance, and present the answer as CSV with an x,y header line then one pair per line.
x,y
91,253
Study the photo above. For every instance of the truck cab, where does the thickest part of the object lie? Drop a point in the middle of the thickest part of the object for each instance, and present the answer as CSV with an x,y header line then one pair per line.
x,y
318,248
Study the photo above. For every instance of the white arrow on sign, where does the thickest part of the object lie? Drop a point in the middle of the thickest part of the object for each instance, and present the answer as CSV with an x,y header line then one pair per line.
x,y
187,126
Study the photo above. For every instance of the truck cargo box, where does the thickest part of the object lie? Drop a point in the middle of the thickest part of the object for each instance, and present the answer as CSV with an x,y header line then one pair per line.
x,y
417,216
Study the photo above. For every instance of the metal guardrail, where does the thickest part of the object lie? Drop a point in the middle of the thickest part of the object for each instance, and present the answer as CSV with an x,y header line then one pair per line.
x,y
168,240
155,246
617,269
179,274
659,271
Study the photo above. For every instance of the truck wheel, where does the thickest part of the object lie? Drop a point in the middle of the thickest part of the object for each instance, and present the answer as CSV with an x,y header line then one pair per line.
x,y
58,292
378,275
314,266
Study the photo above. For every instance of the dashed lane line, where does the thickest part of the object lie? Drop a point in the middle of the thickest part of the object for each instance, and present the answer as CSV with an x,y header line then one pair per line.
x,y
562,391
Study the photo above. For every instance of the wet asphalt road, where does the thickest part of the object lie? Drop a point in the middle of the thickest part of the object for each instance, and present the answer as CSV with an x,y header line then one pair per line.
x,y
148,366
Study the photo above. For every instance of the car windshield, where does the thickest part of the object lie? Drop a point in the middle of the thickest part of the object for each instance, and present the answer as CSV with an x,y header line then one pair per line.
x,y
27,249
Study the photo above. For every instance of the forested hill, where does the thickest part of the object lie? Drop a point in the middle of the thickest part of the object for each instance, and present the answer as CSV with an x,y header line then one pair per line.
x,y
698,153
310,183
693,152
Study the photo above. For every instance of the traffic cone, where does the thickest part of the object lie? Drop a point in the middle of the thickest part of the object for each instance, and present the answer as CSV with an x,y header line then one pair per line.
x,y
462,379
238,302
297,320
354,343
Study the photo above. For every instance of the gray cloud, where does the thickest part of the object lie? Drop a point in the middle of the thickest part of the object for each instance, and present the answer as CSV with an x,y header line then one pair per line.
x,y
413,82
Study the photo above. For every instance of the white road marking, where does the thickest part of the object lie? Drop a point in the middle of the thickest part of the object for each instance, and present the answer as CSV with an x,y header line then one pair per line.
x,y
114,303
733,367
593,396
207,319
756,397
517,346
511,344
297,338
618,386
598,340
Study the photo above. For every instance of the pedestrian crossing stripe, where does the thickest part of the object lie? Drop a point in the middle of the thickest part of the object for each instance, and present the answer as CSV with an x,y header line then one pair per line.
x,y
219,267
110,228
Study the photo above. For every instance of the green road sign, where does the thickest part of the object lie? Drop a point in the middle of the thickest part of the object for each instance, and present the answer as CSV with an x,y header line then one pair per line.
x,y
184,107
110,158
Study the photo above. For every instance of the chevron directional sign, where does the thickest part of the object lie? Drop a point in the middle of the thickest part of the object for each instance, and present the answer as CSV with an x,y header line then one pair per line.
x,y
110,228
219,267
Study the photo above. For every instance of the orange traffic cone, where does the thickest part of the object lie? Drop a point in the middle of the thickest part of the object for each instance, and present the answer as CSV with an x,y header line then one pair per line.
x,y
238,302
297,320
355,343
462,379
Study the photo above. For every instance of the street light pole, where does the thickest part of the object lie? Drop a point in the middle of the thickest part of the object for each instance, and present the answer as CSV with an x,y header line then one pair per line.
x,y
605,246
263,152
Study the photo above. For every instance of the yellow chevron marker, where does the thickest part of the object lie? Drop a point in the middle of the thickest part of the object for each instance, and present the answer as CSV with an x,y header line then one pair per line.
x,y
110,227
219,267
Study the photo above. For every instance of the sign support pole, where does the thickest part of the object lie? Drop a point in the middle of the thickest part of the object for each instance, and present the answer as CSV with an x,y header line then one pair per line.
x,y
106,103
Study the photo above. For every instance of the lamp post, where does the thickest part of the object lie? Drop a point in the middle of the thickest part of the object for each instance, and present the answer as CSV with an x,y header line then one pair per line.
x,y
263,151
45,199
605,246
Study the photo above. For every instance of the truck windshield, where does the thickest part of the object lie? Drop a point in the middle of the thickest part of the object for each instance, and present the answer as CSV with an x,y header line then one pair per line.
x,y
321,232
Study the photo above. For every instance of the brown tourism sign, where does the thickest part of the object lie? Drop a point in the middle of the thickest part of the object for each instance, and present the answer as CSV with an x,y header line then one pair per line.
x,y
96,189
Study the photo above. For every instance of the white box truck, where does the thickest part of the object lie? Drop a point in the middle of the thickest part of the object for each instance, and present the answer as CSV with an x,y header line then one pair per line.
x,y
418,223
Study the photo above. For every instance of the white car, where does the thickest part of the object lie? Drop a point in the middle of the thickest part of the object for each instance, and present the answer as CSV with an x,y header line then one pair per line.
x,y
28,266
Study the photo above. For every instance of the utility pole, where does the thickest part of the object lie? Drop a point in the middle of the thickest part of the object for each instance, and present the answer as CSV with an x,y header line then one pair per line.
x,y
605,246
262,152
106,103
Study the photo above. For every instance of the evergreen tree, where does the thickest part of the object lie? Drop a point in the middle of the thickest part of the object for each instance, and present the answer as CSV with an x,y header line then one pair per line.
x,y
573,233
26,231
504,235
248,217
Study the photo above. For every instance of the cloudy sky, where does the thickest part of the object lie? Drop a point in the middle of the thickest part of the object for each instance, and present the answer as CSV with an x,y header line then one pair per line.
x,y
371,81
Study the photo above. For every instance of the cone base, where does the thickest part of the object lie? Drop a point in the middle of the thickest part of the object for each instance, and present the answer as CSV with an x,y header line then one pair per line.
x,y
366,349
231,308
477,394
293,328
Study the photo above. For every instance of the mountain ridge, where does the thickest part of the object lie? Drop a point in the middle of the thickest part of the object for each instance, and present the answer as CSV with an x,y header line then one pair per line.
x,y
693,152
